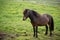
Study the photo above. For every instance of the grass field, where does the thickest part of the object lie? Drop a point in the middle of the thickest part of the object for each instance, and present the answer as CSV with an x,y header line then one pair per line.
x,y
11,14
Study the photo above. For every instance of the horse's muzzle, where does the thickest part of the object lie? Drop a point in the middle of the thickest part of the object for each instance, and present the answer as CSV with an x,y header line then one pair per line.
x,y
24,18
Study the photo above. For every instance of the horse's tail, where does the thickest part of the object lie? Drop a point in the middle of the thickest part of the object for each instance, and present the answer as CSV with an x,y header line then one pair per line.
x,y
52,24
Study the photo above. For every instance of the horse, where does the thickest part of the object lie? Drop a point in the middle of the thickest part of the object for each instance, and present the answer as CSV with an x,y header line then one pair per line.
x,y
39,20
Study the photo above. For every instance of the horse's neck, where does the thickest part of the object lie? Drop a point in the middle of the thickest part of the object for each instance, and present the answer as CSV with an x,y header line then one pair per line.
x,y
32,17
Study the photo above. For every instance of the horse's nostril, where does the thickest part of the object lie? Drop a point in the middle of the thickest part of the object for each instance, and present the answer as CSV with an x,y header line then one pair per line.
x,y
23,19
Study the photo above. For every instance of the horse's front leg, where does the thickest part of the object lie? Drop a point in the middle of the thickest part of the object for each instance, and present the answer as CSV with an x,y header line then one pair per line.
x,y
36,31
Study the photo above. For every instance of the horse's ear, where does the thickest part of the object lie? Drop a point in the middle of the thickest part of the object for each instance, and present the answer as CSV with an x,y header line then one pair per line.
x,y
29,11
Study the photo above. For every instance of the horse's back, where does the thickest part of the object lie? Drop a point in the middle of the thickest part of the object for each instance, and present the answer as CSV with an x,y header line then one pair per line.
x,y
49,16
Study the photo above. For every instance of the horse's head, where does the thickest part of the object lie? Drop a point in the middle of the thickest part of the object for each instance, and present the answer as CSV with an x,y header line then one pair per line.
x,y
26,14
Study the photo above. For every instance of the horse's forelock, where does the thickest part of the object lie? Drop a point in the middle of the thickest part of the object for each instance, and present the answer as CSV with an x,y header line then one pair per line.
x,y
26,10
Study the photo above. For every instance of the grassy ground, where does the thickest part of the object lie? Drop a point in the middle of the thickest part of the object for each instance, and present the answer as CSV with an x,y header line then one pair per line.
x,y
11,14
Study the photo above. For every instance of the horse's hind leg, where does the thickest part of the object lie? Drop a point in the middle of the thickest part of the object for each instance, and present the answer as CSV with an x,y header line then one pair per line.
x,y
46,30
50,28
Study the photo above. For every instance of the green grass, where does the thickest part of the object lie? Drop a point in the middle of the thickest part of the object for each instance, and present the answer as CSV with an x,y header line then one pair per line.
x,y
11,14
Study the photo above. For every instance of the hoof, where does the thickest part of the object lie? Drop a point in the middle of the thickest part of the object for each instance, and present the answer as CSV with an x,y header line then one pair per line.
x,y
46,33
50,35
36,36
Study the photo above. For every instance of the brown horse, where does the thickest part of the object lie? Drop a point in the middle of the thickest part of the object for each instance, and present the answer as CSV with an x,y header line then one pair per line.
x,y
39,20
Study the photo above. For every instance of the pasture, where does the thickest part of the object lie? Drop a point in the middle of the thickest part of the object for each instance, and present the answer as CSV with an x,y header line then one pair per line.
x,y
11,14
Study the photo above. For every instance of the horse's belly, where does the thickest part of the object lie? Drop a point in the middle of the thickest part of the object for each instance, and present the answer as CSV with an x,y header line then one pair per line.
x,y
43,22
